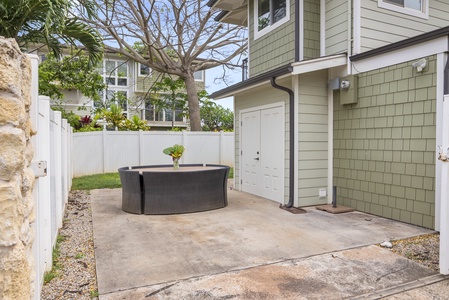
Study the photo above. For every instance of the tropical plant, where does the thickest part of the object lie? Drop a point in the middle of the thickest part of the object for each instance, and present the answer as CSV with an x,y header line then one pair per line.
x,y
135,124
215,117
50,22
175,152
70,72
114,115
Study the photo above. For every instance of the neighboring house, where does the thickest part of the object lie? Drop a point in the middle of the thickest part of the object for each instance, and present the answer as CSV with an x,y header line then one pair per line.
x,y
132,80
346,94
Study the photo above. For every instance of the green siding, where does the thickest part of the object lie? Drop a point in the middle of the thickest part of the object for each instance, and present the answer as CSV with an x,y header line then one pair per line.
x,y
144,83
336,26
312,137
380,26
384,145
311,29
274,49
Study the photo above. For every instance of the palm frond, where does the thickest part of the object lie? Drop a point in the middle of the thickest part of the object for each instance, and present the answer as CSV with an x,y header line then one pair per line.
x,y
87,36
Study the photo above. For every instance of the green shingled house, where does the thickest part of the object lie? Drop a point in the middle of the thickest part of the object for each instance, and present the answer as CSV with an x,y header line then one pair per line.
x,y
346,94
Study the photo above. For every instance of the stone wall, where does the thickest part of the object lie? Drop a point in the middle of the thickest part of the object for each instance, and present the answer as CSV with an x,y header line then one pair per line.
x,y
16,177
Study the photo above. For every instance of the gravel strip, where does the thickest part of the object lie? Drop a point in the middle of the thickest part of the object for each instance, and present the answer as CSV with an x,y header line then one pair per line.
x,y
75,271
76,276
423,249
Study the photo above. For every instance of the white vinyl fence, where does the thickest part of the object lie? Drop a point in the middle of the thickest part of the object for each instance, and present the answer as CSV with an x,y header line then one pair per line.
x,y
52,146
61,154
106,151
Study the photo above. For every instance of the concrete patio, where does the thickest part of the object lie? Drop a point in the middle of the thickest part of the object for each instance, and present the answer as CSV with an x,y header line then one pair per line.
x,y
249,250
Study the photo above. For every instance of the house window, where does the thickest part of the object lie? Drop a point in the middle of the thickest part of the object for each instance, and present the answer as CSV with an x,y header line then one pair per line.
x,y
111,96
143,70
270,14
417,8
154,114
199,75
116,73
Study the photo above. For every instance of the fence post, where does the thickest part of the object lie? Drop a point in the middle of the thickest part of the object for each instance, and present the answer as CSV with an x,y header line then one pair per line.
x,y
444,205
103,141
220,158
44,205
39,266
141,148
184,143
57,168
64,170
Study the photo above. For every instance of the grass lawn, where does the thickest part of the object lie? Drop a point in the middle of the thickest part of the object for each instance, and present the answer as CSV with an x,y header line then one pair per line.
x,y
97,181
105,181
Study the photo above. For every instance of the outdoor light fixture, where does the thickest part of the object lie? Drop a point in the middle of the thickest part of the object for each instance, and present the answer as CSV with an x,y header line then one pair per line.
x,y
345,84
420,65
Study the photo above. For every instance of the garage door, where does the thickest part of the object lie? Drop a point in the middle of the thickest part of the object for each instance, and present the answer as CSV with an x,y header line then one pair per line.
x,y
262,152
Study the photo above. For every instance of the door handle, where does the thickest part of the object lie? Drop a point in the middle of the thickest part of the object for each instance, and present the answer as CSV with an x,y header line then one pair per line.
x,y
256,158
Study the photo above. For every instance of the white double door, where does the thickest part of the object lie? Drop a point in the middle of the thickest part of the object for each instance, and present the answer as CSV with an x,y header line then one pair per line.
x,y
262,152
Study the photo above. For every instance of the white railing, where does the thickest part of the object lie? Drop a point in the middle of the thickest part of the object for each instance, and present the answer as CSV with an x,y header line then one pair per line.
x,y
106,151
52,146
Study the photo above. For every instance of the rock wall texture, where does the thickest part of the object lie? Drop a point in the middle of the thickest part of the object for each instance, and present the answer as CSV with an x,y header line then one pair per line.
x,y
16,177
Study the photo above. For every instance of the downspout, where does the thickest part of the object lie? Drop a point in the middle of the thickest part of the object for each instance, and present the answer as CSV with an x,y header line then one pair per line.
x,y
297,54
292,142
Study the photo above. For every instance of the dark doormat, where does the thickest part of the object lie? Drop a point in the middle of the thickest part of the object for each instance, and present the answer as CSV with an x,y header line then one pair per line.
x,y
335,210
293,210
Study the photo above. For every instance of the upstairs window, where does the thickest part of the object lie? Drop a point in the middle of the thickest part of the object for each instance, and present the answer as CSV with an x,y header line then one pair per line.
x,y
199,75
116,73
417,8
143,70
270,14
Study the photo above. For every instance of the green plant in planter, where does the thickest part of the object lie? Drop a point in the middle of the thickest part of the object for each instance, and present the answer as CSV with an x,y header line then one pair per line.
x,y
175,152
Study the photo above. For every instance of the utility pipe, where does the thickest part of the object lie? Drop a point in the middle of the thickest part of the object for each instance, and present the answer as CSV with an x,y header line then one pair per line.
x,y
292,141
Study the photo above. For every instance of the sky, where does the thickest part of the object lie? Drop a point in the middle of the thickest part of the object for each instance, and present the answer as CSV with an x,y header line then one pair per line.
x,y
234,77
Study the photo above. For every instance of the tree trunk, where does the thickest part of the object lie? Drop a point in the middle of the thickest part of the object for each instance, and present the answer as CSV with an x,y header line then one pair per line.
x,y
194,105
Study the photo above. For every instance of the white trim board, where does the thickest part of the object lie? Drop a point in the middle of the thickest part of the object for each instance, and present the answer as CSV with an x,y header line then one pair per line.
x,y
319,64
435,46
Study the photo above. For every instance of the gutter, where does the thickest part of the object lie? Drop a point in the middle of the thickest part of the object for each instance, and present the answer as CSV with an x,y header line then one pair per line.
x,y
403,44
284,70
292,140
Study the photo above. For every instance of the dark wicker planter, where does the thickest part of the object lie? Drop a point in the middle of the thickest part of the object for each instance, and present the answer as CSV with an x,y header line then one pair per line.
x,y
155,190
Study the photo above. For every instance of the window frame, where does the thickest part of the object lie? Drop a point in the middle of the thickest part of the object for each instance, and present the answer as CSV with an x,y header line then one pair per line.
x,y
423,13
162,114
259,33
115,74
139,74
202,76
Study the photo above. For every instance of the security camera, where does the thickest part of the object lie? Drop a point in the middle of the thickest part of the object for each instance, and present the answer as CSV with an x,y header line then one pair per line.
x,y
345,84
420,65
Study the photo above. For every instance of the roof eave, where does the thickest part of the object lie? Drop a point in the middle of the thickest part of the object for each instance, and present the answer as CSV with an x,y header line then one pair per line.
x,y
259,79
402,44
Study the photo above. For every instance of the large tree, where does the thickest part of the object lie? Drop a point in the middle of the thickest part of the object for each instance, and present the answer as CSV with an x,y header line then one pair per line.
x,y
177,37
49,22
